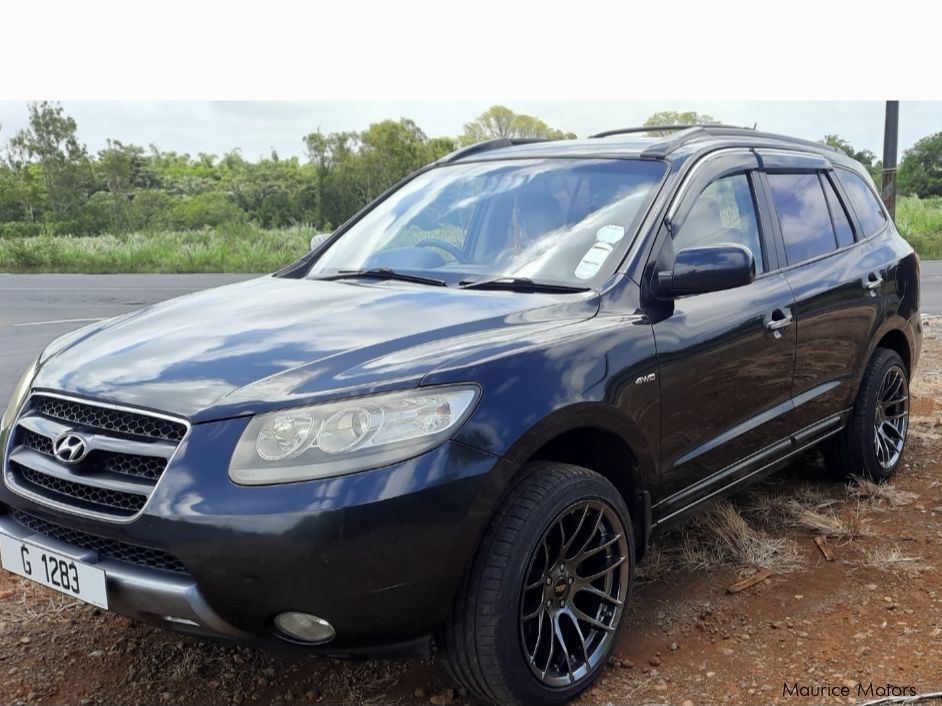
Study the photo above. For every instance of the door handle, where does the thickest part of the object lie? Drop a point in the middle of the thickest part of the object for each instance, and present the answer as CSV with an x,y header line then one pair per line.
x,y
779,319
873,283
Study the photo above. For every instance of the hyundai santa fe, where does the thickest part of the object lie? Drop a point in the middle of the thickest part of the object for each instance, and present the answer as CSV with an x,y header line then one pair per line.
x,y
461,418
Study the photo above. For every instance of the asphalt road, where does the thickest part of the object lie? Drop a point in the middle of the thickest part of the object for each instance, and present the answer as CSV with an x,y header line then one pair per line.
x,y
35,309
931,286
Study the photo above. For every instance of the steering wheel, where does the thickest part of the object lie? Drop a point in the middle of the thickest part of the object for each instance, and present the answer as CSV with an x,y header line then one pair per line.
x,y
453,250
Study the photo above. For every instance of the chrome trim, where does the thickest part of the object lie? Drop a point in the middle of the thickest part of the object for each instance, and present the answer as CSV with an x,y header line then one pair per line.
x,y
685,183
41,463
109,405
53,428
69,448
10,482
158,597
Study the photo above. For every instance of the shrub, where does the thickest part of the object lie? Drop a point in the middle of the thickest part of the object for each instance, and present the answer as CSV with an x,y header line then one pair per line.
x,y
208,209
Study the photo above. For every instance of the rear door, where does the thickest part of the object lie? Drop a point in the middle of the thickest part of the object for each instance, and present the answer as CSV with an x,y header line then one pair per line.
x,y
725,359
836,279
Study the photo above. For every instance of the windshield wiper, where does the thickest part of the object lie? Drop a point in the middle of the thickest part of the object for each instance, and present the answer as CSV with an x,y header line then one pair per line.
x,y
521,284
385,273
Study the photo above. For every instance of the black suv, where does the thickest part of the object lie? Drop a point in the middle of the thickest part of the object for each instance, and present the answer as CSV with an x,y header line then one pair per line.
x,y
464,414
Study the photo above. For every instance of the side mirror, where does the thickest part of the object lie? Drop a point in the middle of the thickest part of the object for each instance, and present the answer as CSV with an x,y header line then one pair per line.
x,y
318,239
709,268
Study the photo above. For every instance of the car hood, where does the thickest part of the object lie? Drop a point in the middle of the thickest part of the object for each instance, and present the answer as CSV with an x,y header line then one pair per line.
x,y
255,345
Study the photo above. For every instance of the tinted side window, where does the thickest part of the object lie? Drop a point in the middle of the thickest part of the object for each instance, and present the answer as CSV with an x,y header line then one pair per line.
x,y
724,212
803,213
864,202
845,233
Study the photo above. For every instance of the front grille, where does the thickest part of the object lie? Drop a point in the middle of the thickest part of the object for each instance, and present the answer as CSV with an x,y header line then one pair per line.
x,y
90,415
69,491
37,442
150,467
127,452
106,548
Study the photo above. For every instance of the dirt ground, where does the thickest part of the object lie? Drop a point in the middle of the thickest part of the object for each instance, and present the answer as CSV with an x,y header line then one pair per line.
x,y
866,625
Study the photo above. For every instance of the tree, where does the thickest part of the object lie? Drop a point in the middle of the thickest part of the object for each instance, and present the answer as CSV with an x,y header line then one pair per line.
x,y
920,172
865,157
330,155
50,140
24,188
353,168
674,117
122,169
389,151
499,121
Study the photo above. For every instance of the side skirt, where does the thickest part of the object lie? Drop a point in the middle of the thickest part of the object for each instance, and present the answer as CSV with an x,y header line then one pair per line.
x,y
744,473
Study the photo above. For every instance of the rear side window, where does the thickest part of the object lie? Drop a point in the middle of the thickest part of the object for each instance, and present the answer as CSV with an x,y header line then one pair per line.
x,y
804,216
845,233
864,202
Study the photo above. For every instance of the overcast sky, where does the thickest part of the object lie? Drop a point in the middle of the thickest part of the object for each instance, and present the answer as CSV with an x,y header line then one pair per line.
x,y
256,127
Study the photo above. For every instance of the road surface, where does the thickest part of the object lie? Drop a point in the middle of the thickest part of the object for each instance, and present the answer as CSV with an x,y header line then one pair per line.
x,y
35,309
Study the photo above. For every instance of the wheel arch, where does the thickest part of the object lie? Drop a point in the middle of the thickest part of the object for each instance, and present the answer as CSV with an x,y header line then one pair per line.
x,y
593,435
895,340
596,437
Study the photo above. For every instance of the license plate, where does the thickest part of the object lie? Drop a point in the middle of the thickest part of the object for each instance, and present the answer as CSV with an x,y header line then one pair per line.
x,y
55,571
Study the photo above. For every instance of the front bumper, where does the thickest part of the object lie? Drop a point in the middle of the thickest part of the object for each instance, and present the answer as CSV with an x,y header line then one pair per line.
x,y
379,554
149,595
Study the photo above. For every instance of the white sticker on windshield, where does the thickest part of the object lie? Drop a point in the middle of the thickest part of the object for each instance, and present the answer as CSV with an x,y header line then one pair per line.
x,y
593,260
610,234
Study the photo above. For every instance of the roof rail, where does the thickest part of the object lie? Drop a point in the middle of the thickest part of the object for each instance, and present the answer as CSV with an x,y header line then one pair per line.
x,y
725,130
652,128
487,146
688,133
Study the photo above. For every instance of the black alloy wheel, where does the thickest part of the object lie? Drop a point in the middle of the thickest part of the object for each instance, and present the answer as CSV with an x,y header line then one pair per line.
x,y
872,442
542,607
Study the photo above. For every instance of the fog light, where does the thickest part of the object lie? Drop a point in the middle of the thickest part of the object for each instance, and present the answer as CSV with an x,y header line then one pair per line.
x,y
304,627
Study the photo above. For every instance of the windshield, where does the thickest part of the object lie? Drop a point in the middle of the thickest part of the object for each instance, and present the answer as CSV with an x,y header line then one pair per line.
x,y
551,220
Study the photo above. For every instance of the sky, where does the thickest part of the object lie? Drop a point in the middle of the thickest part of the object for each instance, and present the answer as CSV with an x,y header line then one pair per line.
x,y
257,127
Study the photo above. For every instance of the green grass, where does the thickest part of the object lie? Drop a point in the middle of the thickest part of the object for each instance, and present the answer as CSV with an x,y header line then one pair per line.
x,y
245,248
920,222
225,249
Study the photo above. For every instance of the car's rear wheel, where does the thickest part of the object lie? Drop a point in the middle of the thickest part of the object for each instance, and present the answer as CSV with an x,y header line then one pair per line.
x,y
538,617
872,443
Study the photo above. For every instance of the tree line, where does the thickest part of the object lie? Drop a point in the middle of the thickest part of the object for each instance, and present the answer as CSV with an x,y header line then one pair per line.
x,y
50,183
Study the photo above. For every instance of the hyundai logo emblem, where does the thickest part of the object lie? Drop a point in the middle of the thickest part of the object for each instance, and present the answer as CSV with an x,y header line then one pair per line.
x,y
70,447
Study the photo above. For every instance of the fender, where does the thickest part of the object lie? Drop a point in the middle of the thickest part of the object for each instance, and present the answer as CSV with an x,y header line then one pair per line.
x,y
894,322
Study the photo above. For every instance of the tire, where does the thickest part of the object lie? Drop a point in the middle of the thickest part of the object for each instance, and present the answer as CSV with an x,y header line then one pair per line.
x,y
872,443
552,510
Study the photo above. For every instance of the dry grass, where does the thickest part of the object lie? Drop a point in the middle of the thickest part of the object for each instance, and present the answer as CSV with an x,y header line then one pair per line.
x,y
724,537
656,564
761,528
878,493
893,560
53,607
846,522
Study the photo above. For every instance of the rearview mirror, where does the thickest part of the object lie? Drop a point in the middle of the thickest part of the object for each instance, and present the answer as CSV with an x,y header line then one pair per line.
x,y
319,239
709,268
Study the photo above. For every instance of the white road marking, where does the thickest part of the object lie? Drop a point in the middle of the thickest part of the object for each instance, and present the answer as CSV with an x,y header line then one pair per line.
x,y
58,321
95,289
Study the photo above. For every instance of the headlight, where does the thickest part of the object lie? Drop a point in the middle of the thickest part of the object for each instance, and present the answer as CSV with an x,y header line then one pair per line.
x,y
19,394
352,435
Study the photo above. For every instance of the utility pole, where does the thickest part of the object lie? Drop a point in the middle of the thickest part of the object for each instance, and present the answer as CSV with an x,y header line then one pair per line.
x,y
890,141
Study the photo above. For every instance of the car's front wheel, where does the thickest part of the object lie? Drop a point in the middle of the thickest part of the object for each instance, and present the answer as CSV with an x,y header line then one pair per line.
x,y
538,617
